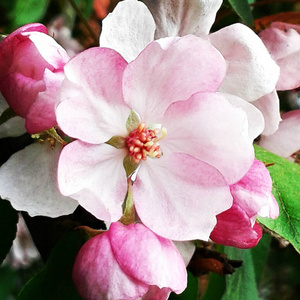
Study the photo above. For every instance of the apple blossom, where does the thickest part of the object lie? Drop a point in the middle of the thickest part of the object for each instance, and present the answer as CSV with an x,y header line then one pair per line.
x,y
252,196
190,142
128,262
251,72
32,63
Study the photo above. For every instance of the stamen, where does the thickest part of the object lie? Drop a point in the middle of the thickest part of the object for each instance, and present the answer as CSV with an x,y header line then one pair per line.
x,y
143,142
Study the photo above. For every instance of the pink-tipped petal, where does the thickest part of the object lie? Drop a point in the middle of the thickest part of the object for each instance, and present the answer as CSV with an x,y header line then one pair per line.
x,y
234,229
28,181
91,103
253,192
209,128
286,140
97,274
178,18
94,175
128,29
169,70
174,194
251,71
269,107
149,254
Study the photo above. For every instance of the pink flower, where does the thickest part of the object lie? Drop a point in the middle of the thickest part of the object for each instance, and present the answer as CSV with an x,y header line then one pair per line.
x,y
128,262
31,65
252,196
171,87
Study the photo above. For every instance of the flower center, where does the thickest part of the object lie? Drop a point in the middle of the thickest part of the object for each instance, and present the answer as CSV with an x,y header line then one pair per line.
x,y
143,142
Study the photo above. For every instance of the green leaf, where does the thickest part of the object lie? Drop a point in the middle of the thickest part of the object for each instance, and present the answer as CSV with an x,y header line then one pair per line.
x,y
8,227
29,11
286,190
241,284
85,6
260,255
54,281
216,287
242,8
6,115
190,293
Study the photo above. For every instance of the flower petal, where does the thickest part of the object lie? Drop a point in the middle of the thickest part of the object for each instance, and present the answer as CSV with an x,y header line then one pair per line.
x,y
169,70
149,254
128,29
28,181
97,274
253,192
255,118
234,229
178,18
94,175
269,107
286,140
174,195
283,43
207,127
251,71
91,103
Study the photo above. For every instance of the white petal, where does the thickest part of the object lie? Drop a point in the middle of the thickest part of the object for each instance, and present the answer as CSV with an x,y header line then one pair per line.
x,y
251,72
178,18
28,181
128,29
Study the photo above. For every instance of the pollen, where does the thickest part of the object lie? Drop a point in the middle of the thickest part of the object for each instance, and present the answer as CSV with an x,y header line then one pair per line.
x,y
143,142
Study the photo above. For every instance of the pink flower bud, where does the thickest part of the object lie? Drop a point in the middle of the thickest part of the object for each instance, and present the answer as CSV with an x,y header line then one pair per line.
x,y
129,262
31,64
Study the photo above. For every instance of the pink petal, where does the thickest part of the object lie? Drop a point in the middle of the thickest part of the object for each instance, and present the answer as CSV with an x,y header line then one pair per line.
x,y
149,254
92,107
254,190
41,115
28,181
178,18
283,43
97,274
207,127
286,140
234,229
251,71
269,106
128,29
174,195
169,70
49,49
94,175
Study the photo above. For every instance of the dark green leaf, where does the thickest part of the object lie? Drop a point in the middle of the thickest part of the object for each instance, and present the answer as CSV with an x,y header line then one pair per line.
x,y
260,255
286,190
216,287
29,11
242,8
241,284
190,293
55,280
8,227
85,6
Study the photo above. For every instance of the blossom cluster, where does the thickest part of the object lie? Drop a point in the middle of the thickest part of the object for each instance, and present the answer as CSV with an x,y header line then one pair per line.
x,y
151,132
